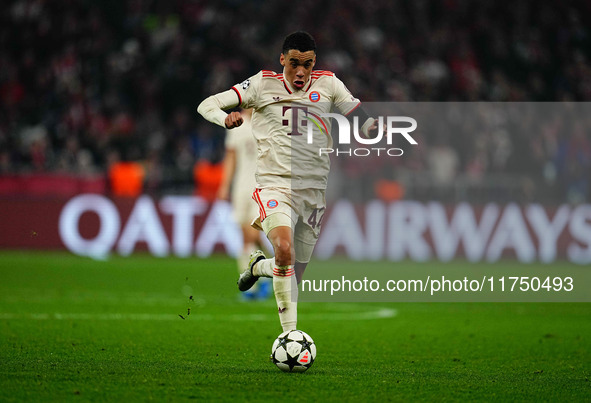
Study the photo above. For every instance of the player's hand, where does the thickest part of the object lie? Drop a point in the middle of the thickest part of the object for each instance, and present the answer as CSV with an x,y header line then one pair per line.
x,y
234,119
372,131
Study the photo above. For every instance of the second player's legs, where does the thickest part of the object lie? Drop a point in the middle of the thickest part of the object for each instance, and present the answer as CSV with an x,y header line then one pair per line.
x,y
251,238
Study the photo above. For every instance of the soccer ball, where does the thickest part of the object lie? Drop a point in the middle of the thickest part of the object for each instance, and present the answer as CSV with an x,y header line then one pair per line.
x,y
293,351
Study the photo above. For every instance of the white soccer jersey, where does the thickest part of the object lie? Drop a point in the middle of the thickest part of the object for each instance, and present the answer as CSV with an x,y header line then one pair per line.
x,y
285,159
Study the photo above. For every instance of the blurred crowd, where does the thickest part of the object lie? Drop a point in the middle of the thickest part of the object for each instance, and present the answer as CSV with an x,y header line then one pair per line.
x,y
84,84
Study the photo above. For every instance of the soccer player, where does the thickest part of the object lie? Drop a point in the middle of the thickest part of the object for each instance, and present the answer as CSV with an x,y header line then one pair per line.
x,y
237,185
291,179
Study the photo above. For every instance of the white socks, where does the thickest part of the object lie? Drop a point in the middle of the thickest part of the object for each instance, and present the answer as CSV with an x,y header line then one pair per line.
x,y
286,293
285,287
264,268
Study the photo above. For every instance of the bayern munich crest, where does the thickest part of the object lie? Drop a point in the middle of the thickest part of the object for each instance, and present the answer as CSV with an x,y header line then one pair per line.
x,y
272,203
314,96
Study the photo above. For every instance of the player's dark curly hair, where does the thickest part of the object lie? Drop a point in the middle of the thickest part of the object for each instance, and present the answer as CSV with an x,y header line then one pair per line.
x,y
300,40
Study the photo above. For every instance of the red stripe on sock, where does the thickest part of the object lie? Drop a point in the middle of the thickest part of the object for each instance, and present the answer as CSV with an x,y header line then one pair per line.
x,y
283,273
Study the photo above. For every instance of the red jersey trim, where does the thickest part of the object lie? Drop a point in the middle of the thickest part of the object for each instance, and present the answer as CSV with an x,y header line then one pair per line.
x,y
272,74
239,97
356,106
285,85
323,72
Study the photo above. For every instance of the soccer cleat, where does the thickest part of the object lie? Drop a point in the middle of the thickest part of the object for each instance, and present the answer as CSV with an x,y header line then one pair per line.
x,y
247,279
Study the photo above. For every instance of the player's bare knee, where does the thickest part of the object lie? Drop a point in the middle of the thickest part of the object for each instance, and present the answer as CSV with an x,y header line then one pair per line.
x,y
283,253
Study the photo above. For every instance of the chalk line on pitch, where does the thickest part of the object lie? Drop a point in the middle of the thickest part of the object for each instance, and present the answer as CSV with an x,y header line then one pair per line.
x,y
381,313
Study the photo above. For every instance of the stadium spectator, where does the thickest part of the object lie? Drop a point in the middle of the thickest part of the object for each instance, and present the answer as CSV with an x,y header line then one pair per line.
x,y
208,177
92,70
126,178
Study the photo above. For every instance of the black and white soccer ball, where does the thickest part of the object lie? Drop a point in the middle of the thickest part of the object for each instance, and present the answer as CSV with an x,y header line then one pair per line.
x,y
293,351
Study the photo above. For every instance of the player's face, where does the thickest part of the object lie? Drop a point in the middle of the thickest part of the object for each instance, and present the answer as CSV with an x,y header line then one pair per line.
x,y
297,67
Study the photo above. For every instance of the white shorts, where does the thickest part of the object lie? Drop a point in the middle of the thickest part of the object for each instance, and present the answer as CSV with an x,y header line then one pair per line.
x,y
301,209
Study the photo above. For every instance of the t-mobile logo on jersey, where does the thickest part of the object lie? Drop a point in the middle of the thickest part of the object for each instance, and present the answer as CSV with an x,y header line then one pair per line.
x,y
302,118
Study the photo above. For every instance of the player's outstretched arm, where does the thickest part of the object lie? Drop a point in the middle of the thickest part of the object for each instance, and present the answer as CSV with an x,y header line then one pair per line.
x,y
212,109
351,107
370,128
369,125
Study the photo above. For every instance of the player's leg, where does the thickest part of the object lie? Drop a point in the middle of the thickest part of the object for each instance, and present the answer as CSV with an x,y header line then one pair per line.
x,y
293,250
284,284
281,269
276,221
278,228
307,229
281,239
275,212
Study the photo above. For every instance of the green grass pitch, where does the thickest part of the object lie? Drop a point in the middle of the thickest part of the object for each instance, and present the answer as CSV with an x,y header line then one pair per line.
x,y
76,329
